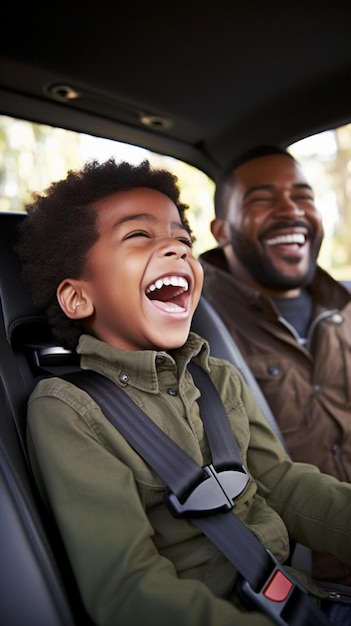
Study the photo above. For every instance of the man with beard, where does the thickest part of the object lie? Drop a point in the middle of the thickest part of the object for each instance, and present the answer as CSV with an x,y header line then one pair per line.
x,y
290,319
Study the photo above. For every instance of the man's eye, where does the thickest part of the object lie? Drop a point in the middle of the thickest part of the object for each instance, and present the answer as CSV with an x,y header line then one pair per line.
x,y
303,199
258,199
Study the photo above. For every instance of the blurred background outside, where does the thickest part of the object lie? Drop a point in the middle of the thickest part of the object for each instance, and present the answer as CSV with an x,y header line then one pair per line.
x,y
34,155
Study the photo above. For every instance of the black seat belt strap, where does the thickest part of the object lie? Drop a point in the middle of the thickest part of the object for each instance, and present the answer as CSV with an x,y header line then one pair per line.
x,y
223,445
203,494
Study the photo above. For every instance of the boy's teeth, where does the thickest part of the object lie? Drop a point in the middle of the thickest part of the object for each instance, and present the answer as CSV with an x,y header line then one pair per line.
x,y
175,281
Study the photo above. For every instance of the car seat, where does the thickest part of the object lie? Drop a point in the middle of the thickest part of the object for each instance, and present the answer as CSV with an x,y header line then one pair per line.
x,y
208,324
37,585
37,580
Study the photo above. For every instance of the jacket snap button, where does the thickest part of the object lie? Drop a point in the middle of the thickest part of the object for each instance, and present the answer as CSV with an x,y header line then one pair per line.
x,y
160,360
124,378
173,391
337,318
333,595
273,371
336,449
317,390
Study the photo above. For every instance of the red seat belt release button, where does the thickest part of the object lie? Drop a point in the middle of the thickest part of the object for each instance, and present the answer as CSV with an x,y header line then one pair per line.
x,y
278,588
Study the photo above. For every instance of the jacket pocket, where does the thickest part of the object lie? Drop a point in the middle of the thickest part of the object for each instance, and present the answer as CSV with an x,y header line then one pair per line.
x,y
286,388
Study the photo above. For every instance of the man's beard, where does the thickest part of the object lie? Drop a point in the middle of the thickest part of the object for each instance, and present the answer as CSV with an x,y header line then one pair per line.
x,y
262,269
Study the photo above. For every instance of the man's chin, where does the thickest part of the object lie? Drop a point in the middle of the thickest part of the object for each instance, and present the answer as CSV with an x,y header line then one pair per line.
x,y
290,277
285,282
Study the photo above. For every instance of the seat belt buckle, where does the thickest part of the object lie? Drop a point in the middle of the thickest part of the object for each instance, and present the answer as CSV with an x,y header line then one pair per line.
x,y
278,597
215,493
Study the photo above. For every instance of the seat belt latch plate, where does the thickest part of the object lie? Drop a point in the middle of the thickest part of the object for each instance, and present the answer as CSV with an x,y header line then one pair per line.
x,y
215,493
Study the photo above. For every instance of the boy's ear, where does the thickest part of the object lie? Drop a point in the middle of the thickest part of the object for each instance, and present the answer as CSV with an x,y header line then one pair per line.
x,y
73,299
220,229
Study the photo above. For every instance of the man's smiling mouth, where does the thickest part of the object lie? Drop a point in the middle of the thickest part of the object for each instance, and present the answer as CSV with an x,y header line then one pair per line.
x,y
295,234
172,291
292,238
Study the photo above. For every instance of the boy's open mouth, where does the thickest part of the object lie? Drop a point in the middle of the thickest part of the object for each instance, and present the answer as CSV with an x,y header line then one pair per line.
x,y
172,289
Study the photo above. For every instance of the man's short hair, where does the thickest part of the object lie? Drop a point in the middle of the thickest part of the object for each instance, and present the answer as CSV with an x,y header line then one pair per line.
x,y
226,179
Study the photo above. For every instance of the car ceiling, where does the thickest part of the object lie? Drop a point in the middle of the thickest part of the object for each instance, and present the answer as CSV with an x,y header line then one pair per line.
x,y
200,80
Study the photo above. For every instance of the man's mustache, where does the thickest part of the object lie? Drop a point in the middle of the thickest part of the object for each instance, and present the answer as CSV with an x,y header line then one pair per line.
x,y
289,224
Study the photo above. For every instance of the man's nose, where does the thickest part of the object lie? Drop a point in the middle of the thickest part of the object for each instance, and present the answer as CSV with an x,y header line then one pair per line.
x,y
288,206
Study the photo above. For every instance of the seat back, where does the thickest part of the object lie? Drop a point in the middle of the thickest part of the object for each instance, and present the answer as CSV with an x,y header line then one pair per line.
x,y
32,590
37,585
208,324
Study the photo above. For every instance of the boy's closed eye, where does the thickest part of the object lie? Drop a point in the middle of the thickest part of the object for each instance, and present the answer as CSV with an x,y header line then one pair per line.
x,y
142,233
186,240
137,233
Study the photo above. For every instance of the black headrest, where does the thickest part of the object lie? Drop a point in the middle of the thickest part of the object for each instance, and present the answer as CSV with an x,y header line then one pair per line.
x,y
22,320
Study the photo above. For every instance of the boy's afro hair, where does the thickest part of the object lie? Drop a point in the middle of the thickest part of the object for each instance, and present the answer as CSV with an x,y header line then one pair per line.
x,y
61,227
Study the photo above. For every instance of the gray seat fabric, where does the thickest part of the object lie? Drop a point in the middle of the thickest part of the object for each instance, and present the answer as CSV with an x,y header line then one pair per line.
x,y
32,591
207,322
37,585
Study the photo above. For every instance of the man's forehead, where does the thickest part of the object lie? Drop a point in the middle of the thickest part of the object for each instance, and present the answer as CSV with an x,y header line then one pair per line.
x,y
273,168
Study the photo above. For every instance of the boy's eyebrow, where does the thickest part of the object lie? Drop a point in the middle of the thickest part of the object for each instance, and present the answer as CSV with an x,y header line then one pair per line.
x,y
272,187
147,217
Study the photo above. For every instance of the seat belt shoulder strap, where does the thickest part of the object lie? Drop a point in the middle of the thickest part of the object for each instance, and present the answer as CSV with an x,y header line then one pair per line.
x,y
264,582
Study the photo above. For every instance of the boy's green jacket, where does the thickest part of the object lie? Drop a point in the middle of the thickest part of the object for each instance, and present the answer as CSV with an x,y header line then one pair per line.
x,y
134,563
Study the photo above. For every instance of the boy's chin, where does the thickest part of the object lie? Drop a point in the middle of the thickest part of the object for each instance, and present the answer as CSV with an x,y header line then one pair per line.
x,y
174,344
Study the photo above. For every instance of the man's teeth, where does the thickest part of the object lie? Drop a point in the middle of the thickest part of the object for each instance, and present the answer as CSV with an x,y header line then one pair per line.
x,y
298,238
174,281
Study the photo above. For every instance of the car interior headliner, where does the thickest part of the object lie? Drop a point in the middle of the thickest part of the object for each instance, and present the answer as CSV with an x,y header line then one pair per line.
x,y
197,80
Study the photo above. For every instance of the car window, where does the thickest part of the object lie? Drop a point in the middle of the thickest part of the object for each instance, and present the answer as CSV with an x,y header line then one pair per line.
x,y
326,162
34,155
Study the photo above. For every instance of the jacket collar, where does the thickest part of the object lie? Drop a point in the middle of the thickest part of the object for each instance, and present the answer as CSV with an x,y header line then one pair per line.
x,y
140,369
323,287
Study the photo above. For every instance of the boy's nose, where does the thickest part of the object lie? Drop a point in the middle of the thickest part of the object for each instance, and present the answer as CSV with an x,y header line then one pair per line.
x,y
174,247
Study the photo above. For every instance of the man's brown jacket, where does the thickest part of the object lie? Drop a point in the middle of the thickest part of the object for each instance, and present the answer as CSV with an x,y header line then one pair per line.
x,y
307,387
